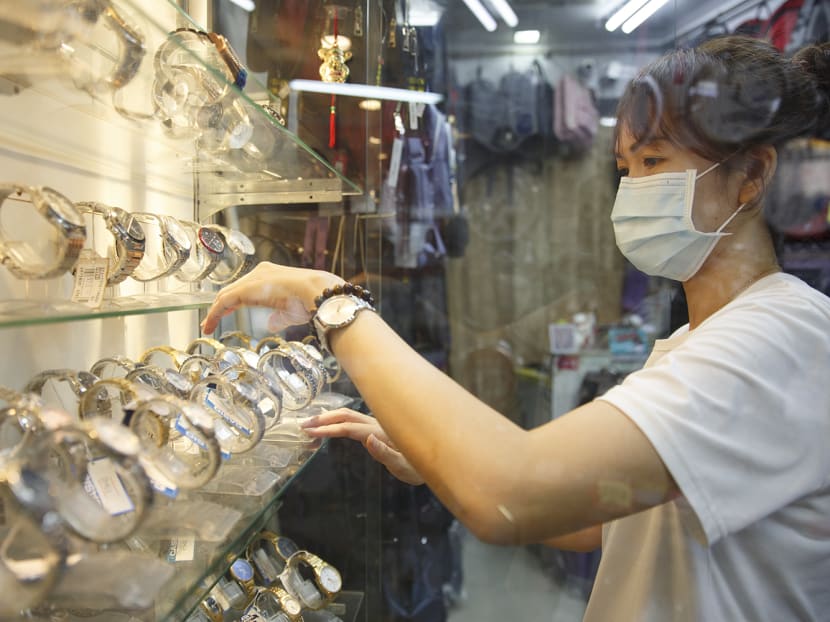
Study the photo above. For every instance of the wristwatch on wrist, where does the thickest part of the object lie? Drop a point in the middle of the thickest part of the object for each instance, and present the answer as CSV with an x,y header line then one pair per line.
x,y
127,234
70,234
172,250
336,312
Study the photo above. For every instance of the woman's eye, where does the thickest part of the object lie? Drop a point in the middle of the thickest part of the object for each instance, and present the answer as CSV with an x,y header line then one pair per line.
x,y
650,162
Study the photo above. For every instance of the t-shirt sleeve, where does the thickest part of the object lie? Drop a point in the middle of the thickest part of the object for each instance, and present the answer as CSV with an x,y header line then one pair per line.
x,y
739,413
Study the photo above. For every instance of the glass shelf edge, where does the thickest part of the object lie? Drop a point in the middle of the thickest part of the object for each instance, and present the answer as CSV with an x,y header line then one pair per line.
x,y
27,316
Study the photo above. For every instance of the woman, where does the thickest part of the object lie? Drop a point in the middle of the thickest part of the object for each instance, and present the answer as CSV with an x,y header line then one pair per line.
x,y
704,475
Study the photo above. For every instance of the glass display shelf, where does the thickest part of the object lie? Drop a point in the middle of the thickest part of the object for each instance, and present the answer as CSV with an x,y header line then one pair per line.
x,y
18,313
193,579
66,98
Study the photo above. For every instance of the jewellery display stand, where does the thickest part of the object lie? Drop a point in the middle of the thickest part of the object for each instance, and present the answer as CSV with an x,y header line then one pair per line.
x,y
82,111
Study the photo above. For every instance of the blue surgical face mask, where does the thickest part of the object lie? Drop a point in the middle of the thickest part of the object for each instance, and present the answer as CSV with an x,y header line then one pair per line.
x,y
652,220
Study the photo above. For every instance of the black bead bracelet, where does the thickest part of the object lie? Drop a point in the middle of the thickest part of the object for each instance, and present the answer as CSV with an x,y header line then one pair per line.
x,y
345,288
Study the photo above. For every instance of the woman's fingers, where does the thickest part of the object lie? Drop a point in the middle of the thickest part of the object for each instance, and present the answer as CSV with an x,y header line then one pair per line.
x,y
393,460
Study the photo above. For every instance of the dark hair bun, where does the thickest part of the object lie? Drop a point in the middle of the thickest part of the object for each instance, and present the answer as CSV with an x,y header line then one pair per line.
x,y
815,61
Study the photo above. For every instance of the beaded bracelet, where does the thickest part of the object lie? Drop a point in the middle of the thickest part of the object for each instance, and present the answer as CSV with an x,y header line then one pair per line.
x,y
345,288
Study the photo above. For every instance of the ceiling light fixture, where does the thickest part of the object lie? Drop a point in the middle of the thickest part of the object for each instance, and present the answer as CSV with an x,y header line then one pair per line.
x,y
526,37
482,14
623,13
506,12
642,15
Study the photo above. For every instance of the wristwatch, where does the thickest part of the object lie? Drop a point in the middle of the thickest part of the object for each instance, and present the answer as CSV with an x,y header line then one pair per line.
x,y
336,312
173,252
299,384
206,249
54,471
131,42
242,572
238,259
79,381
176,356
211,608
326,577
62,216
289,605
127,234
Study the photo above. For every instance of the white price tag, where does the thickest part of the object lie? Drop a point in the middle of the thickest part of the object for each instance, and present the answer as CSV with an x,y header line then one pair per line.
x,y
108,488
395,163
91,273
413,116
181,549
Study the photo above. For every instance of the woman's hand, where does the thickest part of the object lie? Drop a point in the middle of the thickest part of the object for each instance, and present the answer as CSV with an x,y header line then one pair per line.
x,y
345,422
290,292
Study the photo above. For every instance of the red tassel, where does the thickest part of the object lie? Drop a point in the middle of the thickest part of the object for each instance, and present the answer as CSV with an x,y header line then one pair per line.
x,y
332,111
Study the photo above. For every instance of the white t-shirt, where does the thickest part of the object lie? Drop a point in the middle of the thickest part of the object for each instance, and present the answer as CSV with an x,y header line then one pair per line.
x,y
739,411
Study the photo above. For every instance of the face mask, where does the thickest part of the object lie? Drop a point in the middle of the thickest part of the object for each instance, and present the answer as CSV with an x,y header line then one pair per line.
x,y
652,219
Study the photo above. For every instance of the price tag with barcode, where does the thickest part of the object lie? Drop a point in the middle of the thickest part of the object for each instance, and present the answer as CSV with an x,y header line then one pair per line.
x,y
90,278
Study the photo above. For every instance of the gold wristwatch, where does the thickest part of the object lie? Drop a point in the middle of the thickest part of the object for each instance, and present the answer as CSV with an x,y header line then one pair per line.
x,y
290,605
242,572
127,234
60,213
326,577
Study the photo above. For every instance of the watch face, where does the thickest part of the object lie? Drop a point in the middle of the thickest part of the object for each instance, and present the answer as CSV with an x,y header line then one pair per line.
x,y
211,240
291,605
62,206
330,579
133,228
241,242
337,310
241,570
177,232
286,547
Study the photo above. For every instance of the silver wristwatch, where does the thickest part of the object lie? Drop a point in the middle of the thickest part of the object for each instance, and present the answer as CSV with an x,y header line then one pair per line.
x,y
62,215
128,235
336,312
173,252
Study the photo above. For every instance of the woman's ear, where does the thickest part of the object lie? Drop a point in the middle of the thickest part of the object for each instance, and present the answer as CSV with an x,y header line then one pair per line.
x,y
762,165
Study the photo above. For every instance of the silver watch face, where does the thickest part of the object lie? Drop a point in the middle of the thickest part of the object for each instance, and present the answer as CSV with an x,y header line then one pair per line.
x,y
62,206
133,227
337,310
241,242
177,233
330,579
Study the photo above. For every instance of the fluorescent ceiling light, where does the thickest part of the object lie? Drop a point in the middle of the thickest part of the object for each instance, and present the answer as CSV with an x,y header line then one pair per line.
x,y
506,12
248,5
365,91
642,15
624,12
526,37
608,121
482,14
